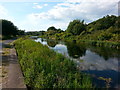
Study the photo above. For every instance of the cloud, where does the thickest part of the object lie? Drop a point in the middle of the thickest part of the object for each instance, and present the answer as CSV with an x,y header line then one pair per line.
x,y
119,8
4,14
80,9
63,12
37,6
32,23
35,3
45,4
3,11
74,1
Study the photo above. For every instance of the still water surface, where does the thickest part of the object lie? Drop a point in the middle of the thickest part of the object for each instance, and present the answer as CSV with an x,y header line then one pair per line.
x,y
96,61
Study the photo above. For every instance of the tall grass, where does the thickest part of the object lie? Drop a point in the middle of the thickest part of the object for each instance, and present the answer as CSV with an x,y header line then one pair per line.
x,y
110,44
44,68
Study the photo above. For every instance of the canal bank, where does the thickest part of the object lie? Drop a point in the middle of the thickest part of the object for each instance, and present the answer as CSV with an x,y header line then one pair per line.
x,y
14,77
96,61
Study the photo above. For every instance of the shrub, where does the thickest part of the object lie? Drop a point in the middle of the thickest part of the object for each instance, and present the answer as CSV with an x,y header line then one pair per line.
x,y
44,68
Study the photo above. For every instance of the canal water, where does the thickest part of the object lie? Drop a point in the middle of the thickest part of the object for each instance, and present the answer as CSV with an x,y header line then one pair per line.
x,y
102,63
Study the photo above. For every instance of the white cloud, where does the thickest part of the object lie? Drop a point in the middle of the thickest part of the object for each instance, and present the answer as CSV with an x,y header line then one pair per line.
x,y
31,23
3,11
119,8
35,3
80,9
45,4
37,6
4,14
62,13
74,1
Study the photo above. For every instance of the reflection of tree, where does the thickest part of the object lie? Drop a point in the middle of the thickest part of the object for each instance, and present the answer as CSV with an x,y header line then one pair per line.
x,y
105,52
74,50
42,39
52,43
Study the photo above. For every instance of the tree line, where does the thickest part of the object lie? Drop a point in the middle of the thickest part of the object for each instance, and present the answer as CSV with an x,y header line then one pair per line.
x,y
9,29
106,28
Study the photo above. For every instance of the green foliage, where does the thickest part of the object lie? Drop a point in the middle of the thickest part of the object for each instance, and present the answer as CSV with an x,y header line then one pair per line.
x,y
103,51
103,23
102,32
35,33
104,36
51,28
51,32
110,44
9,30
76,27
43,68
21,32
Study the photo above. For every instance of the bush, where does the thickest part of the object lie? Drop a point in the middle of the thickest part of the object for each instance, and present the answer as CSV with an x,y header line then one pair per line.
x,y
76,27
43,68
105,36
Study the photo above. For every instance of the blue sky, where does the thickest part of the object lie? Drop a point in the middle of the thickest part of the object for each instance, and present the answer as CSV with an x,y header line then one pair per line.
x,y
35,16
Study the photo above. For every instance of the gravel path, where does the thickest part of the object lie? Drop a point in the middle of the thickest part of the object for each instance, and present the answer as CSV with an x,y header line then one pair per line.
x,y
15,78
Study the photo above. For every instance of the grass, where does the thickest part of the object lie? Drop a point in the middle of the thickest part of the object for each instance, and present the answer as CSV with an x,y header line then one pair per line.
x,y
44,68
110,44
94,42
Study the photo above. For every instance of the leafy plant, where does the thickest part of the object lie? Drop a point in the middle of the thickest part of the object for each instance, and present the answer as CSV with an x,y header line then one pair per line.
x,y
44,68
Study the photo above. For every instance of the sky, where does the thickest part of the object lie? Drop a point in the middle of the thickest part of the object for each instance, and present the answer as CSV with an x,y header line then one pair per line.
x,y
38,15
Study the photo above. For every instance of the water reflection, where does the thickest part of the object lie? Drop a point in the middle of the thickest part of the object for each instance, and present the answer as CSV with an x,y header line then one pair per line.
x,y
115,82
74,50
42,40
52,43
92,61
100,61
106,53
86,57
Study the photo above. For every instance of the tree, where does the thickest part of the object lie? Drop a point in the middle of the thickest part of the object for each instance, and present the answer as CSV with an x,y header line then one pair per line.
x,y
76,27
21,32
103,23
51,28
59,30
8,28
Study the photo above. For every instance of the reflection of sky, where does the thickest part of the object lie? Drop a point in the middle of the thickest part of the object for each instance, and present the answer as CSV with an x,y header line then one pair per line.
x,y
90,61
60,48
93,61
40,40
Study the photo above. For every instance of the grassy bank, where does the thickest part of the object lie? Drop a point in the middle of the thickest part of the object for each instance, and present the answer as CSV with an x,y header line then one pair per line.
x,y
44,68
104,32
98,43
110,44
